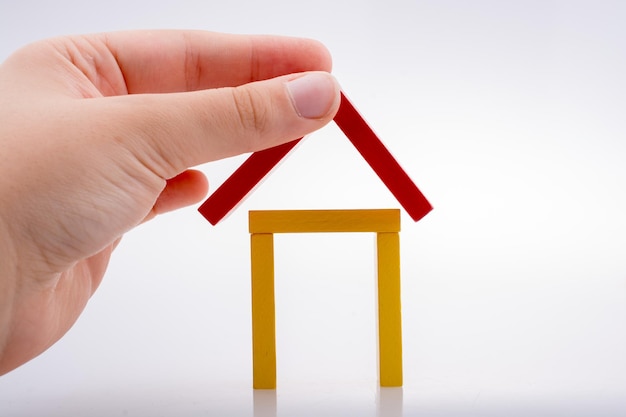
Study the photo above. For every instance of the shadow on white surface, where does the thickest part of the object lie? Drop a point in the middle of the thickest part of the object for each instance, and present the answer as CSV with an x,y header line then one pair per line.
x,y
388,403
195,399
264,403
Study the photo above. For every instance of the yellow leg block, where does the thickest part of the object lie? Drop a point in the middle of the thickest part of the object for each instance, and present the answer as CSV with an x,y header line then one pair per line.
x,y
324,221
263,312
389,310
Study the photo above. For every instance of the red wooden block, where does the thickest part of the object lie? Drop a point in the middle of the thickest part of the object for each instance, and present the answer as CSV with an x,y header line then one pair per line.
x,y
234,190
380,159
259,164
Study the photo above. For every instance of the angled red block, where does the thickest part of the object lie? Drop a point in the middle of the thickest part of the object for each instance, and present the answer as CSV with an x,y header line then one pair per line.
x,y
235,189
259,164
380,159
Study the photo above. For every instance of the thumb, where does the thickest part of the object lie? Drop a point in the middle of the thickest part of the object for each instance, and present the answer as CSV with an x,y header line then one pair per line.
x,y
177,131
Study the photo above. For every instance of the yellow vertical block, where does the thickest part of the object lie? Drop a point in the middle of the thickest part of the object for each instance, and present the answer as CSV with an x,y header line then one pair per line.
x,y
263,311
389,310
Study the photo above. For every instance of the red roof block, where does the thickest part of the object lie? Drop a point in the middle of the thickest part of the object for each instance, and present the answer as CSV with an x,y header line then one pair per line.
x,y
259,164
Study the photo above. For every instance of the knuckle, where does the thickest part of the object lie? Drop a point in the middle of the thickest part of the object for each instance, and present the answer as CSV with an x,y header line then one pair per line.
x,y
252,111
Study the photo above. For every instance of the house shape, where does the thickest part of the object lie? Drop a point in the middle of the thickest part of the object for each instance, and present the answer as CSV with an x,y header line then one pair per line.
x,y
263,225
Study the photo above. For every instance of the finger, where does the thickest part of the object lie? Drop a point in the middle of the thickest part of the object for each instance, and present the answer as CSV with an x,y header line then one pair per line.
x,y
185,189
171,132
176,61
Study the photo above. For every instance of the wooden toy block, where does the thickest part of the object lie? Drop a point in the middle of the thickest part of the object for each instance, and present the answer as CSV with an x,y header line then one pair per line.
x,y
380,159
234,190
259,164
324,221
263,312
389,310
263,304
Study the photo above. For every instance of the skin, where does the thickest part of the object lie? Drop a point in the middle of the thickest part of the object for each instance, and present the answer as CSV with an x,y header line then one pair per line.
x,y
98,134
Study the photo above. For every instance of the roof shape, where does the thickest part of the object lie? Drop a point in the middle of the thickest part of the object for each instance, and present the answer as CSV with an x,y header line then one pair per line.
x,y
259,164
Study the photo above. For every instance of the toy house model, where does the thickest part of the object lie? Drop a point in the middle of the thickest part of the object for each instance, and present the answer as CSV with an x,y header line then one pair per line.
x,y
263,224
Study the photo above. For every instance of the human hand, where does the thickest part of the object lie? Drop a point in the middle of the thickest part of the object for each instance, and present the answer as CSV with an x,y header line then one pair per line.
x,y
97,134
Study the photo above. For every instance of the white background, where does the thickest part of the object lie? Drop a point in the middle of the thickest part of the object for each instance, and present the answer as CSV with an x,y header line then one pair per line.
x,y
510,118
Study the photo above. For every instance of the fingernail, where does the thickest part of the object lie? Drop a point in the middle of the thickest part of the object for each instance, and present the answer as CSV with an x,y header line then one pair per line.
x,y
313,94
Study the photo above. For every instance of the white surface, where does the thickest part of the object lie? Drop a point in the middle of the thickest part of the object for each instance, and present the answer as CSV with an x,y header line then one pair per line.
x,y
508,115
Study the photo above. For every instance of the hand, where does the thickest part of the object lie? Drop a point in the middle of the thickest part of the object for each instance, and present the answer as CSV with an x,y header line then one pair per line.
x,y
97,134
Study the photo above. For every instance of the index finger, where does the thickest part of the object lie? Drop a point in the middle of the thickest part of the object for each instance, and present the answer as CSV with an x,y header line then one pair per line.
x,y
178,61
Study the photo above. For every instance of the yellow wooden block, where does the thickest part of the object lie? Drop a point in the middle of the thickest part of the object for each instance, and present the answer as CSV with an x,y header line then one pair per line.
x,y
386,223
324,221
263,312
389,310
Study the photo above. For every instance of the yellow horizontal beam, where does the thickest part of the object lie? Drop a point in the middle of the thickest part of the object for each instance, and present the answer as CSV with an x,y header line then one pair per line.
x,y
324,221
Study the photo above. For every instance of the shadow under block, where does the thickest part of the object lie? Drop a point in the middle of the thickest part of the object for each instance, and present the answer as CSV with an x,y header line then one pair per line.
x,y
263,312
385,223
